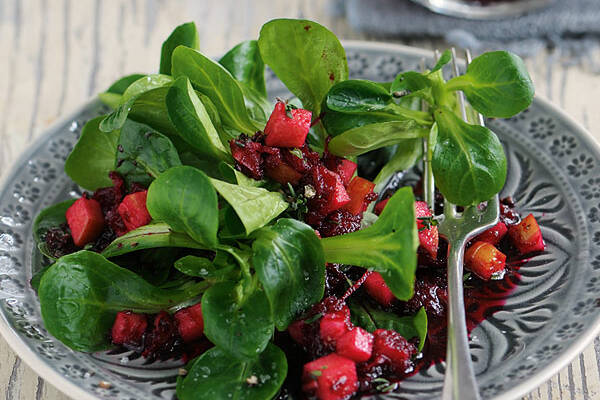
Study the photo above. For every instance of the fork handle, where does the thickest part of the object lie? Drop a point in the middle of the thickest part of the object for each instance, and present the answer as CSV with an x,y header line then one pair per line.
x,y
460,384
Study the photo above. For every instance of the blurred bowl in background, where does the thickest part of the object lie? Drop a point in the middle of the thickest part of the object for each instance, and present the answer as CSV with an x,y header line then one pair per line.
x,y
483,9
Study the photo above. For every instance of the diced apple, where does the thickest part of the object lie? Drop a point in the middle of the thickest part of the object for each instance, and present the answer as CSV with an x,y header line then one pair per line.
x,y
485,260
85,220
428,233
394,347
335,376
129,328
345,169
356,345
358,189
493,235
133,210
190,322
332,326
377,289
283,130
527,236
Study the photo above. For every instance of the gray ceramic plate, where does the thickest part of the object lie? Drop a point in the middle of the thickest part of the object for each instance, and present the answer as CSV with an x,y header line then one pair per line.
x,y
554,172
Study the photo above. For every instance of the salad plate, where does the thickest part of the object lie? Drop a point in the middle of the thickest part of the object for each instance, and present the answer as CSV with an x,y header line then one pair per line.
x,y
551,314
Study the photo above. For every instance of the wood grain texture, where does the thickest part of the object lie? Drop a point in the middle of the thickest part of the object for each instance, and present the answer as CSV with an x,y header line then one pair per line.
x,y
59,53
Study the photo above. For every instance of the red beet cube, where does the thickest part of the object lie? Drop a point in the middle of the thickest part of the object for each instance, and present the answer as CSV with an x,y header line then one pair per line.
x,y
190,323
248,157
133,210
85,220
428,233
394,347
356,345
380,206
527,235
335,376
493,235
283,174
129,328
345,169
377,289
283,131
332,326
485,261
358,189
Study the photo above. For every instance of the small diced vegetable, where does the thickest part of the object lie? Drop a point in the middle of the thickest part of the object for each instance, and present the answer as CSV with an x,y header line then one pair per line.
x,y
345,169
332,326
380,206
527,236
377,289
493,235
335,376
85,220
485,261
428,233
358,189
330,185
394,347
133,210
190,322
283,131
283,174
129,328
297,331
356,345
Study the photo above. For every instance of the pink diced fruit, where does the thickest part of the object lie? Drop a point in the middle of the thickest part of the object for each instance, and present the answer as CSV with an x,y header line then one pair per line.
x,y
333,325
330,184
357,345
331,377
85,220
378,289
494,234
485,260
358,189
287,127
428,233
190,322
527,236
129,328
345,169
390,346
133,210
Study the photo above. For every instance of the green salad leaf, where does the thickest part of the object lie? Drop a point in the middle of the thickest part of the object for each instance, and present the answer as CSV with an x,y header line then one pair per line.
x,y
496,84
389,246
237,319
254,206
468,161
184,198
306,56
153,235
246,65
183,35
82,292
143,154
288,258
215,82
204,268
193,122
112,96
93,157
217,375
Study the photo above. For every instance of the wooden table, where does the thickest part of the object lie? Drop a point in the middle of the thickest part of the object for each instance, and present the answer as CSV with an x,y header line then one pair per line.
x,y
56,54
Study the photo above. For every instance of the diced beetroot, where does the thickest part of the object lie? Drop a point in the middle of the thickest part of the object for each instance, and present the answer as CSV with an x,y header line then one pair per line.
x,y
526,236
493,235
329,185
247,156
297,331
190,322
428,236
283,174
356,345
85,220
485,261
283,131
394,347
332,326
335,376
346,169
377,289
380,206
133,210
129,328
358,190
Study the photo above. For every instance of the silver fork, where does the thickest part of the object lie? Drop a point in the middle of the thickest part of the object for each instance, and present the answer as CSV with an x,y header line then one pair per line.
x,y
458,228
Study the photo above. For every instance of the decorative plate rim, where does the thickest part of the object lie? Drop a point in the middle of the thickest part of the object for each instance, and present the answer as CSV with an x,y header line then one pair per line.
x,y
52,376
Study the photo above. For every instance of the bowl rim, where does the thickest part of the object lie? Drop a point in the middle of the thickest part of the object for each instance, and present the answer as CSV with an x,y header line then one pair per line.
x,y
53,377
